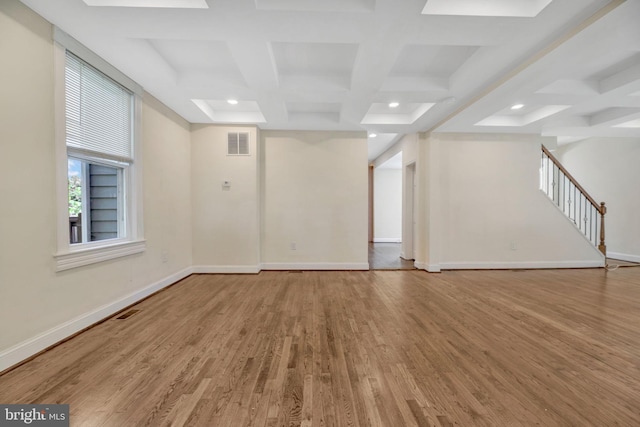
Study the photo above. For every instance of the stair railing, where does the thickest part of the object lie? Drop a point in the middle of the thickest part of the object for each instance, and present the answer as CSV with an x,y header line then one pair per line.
x,y
563,189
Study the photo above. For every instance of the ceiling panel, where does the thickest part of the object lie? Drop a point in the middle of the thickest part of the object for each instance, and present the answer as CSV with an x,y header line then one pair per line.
x,y
176,4
313,107
429,60
314,59
503,8
196,55
315,5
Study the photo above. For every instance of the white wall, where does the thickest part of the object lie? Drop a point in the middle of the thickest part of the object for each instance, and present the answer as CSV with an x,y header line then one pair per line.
x,y
226,235
609,169
387,205
488,210
38,306
315,196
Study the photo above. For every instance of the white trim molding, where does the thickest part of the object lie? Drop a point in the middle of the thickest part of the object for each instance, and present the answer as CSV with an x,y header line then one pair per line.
x,y
387,240
316,266
226,269
520,265
623,257
22,351
86,256
431,268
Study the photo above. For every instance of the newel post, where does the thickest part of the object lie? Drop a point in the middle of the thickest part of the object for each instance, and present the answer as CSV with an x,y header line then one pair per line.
x,y
602,246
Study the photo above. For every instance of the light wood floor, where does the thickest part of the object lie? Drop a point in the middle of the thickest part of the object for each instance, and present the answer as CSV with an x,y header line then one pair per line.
x,y
384,348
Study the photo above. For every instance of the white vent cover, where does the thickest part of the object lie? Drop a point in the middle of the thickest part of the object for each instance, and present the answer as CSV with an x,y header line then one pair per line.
x,y
238,143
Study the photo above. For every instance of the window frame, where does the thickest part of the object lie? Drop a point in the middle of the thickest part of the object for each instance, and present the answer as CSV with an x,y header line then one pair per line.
x,y
74,255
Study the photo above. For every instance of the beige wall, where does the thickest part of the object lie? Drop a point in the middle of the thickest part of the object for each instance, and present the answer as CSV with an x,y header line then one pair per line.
x,y
37,305
225,221
488,211
167,189
315,196
426,249
609,169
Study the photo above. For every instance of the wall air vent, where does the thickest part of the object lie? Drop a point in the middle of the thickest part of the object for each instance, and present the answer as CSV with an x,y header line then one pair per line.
x,y
238,144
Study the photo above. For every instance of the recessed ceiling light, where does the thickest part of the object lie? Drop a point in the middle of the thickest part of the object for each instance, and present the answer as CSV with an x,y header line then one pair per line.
x,y
372,135
517,106
232,101
394,104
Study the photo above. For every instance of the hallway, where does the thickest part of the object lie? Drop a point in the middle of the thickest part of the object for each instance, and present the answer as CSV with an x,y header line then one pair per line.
x,y
386,256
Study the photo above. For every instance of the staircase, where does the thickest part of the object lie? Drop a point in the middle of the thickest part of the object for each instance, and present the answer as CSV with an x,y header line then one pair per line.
x,y
565,192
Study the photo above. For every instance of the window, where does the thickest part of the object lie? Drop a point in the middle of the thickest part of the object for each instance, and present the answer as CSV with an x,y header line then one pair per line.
x,y
99,139
95,201
98,202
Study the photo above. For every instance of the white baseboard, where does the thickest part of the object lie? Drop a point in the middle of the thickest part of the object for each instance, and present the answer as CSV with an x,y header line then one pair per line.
x,y
226,269
623,257
315,266
387,240
516,265
431,268
22,351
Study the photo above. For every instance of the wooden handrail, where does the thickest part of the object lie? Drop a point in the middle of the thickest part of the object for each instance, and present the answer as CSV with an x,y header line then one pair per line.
x,y
599,206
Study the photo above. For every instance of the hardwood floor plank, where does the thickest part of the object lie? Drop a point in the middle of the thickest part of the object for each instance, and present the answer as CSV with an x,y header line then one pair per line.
x,y
377,348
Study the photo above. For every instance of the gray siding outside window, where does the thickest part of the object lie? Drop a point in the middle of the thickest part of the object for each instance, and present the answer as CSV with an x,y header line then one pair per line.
x,y
103,202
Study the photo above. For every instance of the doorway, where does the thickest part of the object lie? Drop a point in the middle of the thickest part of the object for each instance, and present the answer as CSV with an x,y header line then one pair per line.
x,y
387,192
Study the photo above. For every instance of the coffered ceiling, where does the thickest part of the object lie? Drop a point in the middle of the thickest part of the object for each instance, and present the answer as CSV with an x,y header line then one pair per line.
x,y
450,65
586,86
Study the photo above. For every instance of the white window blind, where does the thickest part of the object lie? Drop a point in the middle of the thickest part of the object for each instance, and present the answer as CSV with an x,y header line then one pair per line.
x,y
98,112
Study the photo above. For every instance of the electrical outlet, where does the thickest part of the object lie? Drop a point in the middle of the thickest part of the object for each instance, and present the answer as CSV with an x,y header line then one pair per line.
x,y
293,246
513,246
164,256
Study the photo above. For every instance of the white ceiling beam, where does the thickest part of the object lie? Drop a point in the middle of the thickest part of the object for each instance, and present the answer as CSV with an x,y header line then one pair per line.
x,y
612,116
629,76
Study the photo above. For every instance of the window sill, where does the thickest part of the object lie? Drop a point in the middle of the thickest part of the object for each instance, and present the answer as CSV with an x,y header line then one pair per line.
x,y
88,256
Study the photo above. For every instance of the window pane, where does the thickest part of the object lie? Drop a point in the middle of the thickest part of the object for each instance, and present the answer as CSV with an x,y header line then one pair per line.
x,y
94,201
